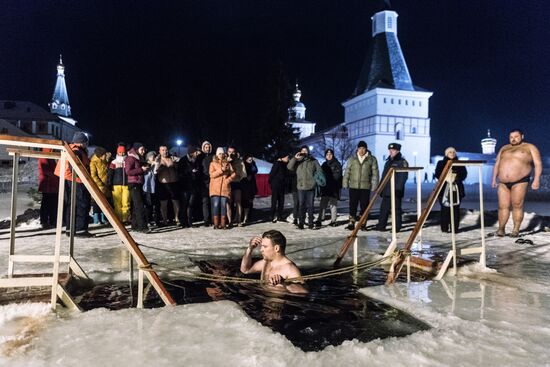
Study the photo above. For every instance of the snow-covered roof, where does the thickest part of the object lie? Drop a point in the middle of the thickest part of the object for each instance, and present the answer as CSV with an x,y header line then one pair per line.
x,y
23,110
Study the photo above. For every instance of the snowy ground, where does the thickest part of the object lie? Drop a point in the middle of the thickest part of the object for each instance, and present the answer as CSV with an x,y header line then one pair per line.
x,y
485,316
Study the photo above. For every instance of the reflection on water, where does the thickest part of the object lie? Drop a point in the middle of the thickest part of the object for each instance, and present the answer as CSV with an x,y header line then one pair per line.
x,y
333,311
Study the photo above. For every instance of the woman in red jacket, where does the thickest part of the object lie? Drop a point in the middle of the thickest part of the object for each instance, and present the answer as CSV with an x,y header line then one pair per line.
x,y
135,168
48,185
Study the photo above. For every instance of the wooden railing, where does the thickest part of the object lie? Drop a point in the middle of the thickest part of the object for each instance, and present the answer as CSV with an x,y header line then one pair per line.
x,y
67,156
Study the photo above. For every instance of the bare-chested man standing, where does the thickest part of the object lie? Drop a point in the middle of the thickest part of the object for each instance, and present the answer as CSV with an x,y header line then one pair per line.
x,y
513,167
275,267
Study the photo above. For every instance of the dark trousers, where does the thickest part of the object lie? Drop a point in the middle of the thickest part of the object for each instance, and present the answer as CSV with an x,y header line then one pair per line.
x,y
152,208
305,199
277,201
358,196
187,201
205,197
296,205
385,210
48,209
139,222
82,207
446,217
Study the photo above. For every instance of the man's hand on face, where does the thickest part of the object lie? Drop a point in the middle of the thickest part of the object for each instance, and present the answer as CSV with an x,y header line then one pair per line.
x,y
255,242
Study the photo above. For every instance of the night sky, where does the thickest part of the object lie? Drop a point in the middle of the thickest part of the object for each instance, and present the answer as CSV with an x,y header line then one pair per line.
x,y
153,71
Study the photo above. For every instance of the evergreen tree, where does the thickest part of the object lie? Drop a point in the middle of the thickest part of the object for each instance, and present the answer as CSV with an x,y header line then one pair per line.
x,y
275,137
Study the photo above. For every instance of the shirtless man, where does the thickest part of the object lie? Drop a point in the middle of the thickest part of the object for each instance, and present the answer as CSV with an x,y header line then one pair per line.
x,y
513,167
275,267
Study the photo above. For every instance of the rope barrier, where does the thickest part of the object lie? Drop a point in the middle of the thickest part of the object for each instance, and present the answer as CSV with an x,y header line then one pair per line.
x,y
233,279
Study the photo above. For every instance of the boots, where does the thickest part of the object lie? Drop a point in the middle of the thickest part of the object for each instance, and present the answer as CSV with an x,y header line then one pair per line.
x,y
102,219
351,225
245,219
96,218
216,220
223,224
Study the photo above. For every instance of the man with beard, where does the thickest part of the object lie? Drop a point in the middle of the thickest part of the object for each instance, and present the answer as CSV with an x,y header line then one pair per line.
x,y
513,167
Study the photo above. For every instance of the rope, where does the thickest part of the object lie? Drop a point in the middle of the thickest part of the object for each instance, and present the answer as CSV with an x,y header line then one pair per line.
x,y
232,279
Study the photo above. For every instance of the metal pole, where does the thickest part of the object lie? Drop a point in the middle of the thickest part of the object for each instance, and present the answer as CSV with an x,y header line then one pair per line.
x,y
355,262
482,258
393,219
59,229
452,210
419,207
13,214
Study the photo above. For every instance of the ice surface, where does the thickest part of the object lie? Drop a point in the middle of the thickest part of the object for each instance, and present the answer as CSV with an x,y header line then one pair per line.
x,y
495,316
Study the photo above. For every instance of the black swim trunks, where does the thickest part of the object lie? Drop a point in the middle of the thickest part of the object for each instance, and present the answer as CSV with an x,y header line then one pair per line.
x,y
509,185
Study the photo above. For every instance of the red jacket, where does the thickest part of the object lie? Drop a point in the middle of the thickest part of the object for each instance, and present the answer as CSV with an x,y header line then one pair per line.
x,y
48,182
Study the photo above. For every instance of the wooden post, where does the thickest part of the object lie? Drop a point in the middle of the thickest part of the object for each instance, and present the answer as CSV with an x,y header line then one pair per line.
x,y
13,213
72,219
59,229
140,289
419,207
355,261
451,208
392,199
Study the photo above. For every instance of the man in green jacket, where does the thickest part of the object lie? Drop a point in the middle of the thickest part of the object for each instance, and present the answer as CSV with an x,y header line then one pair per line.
x,y
305,167
361,176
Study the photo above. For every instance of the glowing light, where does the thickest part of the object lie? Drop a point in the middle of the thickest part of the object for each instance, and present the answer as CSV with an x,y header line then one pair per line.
x,y
179,142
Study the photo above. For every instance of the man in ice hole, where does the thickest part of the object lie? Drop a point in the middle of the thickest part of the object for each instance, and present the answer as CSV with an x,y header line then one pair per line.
x,y
275,267
513,167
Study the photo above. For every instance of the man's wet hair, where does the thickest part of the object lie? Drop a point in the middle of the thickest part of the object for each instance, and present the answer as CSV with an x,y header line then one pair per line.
x,y
516,130
277,238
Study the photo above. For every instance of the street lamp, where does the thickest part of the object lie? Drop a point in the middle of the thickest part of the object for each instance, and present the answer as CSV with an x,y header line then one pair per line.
x,y
179,143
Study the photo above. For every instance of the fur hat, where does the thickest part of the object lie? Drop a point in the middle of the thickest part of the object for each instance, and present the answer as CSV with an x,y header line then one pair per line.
x,y
80,138
394,146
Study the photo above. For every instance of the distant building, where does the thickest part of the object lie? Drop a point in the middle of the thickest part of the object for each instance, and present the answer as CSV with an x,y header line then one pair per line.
x,y
297,115
385,106
24,118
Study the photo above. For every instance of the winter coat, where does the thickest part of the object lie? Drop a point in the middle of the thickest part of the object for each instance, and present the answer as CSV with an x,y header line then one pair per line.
x,y
133,169
190,173
48,182
205,160
249,182
220,179
81,153
150,181
305,169
400,177
117,175
460,172
278,176
361,175
98,171
333,174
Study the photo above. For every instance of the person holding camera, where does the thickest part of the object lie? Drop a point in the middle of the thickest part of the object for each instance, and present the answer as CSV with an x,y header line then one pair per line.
x,y
221,175
305,167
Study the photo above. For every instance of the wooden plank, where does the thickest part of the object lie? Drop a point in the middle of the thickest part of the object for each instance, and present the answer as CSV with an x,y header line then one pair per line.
x,y
33,153
23,141
470,250
26,282
108,211
38,258
66,299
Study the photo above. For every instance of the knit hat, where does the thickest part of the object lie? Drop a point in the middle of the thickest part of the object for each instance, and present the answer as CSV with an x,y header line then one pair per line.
x,y
394,146
137,145
80,138
362,144
99,151
219,150
121,149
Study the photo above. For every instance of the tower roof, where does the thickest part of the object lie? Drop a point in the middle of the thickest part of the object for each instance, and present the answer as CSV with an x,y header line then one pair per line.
x,y
385,65
59,104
